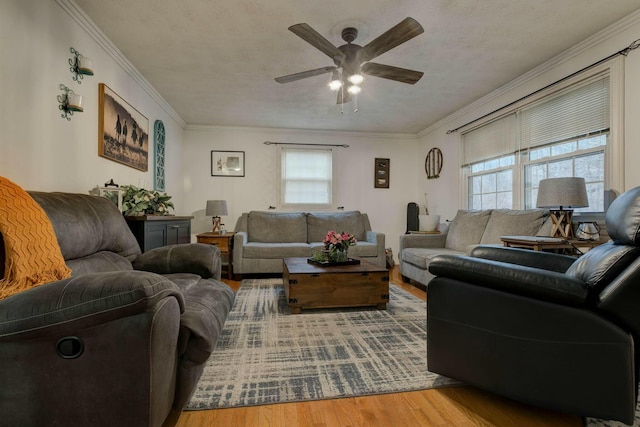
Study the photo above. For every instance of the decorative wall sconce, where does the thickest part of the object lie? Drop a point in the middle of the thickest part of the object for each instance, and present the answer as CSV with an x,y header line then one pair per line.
x,y
69,102
80,66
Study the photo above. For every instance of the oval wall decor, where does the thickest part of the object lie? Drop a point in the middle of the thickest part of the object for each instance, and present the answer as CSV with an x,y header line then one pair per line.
x,y
433,163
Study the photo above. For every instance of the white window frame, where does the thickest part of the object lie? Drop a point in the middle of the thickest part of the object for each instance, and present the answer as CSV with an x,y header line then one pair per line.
x,y
614,151
282,180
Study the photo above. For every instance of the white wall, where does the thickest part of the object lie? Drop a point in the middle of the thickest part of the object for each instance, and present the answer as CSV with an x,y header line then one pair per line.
x,y
444,192
39,150
258,189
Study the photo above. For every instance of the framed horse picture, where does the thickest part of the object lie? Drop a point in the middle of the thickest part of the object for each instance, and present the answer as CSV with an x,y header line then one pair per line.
x,y
123,132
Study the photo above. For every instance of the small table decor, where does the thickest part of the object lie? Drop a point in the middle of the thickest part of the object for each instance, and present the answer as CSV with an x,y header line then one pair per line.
x,y
324,262
336,248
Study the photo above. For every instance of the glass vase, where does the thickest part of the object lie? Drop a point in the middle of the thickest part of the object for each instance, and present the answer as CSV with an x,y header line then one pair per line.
x,y
341,256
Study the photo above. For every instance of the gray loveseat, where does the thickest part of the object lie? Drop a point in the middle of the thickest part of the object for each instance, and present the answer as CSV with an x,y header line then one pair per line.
x,y
263,239
468,229
120,343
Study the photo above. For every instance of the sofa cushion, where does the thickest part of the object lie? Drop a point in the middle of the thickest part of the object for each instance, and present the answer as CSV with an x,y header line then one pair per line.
x,y
466,229
87,224
276,227
100,262
366,249
507,222
421,257
319,223
258,250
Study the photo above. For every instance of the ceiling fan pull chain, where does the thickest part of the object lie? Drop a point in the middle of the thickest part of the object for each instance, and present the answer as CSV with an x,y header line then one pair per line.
x,y
355,104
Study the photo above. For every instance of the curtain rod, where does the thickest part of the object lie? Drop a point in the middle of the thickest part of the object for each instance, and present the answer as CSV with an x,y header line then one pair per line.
x,y
624,52
293,143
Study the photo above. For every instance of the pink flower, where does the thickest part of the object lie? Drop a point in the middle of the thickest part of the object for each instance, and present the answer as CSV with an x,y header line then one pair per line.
x,y
338,241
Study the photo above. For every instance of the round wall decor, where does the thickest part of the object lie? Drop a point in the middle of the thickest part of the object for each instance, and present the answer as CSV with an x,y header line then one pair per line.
x,y
433,163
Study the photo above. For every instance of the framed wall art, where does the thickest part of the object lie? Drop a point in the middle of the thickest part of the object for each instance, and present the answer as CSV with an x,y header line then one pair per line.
x,y
381,173
158,164
123,132
227,163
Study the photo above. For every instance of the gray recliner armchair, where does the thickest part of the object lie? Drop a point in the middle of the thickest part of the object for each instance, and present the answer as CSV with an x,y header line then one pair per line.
x,y
123,341
548,330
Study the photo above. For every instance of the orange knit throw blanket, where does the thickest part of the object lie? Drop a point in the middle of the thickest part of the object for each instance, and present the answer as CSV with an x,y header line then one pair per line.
x,y
32,253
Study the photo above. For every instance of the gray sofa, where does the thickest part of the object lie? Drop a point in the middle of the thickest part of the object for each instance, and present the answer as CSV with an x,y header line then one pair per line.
x,y
121,342
468,229
263,239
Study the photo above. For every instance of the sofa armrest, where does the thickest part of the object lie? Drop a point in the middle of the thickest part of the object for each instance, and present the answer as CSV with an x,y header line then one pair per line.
x,y
87,300
196,258
525,257
516,279
421,241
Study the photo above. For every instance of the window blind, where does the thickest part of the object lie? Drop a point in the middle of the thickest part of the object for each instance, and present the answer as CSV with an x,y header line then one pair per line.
x,y
306,176
581,109
495,139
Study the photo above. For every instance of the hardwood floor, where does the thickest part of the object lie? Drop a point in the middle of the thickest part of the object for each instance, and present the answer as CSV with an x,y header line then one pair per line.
x,y
452,406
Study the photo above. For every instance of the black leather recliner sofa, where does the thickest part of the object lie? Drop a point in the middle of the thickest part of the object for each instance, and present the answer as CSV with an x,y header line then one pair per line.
x,y
545,329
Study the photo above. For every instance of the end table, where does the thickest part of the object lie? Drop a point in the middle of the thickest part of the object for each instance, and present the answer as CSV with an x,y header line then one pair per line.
x,y
224,242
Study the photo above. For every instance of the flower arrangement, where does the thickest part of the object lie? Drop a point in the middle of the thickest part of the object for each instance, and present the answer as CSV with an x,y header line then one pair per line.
x,y
339,242
336,246
139,201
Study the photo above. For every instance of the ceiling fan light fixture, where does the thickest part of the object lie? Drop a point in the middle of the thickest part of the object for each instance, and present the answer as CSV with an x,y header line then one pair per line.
x,y
336,81
354,89
356,79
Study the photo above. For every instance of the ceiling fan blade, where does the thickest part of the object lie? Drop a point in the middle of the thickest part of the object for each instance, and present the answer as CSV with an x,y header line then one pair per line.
x,y
305,74
392,73
343,97
311,36
404,31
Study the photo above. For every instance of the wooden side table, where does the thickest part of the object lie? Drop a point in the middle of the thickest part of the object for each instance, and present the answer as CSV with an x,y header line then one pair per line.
x,y
224,242
570,246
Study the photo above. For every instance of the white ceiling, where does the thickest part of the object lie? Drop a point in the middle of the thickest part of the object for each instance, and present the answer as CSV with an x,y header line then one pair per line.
x,y
215,61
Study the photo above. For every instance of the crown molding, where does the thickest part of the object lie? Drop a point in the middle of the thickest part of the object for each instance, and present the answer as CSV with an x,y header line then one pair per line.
x,y
307,132
87,24
585,45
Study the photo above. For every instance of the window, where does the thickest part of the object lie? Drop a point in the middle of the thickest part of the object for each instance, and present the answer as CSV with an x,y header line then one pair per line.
x,y
583,157
306,178
561,135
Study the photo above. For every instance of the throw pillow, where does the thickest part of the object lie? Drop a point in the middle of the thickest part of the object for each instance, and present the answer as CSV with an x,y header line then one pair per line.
x,y
507,222
32,254
466,229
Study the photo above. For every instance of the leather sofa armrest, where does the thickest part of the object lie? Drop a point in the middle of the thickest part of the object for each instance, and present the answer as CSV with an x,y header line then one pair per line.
x,y
86,300
516,279
196,258
525,257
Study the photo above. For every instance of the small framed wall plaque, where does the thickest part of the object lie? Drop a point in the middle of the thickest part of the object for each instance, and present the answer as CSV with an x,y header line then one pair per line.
x,y
381,173
227,163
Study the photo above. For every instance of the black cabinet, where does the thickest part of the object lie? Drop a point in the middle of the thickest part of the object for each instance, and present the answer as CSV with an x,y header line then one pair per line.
x,y
154,231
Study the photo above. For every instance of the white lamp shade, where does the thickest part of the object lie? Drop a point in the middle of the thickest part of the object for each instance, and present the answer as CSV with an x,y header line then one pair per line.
x,y
562,192
216,208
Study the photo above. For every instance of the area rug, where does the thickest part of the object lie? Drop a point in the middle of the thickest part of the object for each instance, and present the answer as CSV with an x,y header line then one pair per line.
x,y
267,355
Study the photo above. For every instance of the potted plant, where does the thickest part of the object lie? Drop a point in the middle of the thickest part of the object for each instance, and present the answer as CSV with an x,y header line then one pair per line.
x,y
139,201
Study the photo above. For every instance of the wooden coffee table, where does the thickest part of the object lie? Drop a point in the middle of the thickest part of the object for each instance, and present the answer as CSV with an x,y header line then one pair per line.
x,y
312,286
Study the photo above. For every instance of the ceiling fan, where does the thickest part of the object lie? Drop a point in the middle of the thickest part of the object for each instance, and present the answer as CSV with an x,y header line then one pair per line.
x,y
352,60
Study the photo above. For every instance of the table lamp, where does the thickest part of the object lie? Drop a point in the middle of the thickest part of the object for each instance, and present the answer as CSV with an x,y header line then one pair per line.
x,y
561,195
215,208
